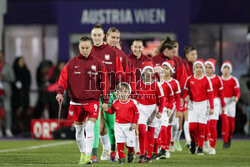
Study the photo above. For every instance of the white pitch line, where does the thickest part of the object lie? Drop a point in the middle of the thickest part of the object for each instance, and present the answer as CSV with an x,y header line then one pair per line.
x,y
36,147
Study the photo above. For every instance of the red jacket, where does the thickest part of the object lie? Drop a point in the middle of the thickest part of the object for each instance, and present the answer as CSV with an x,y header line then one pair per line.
x,y
137,64
85,78
112,61
122,55
159,59
180,71
126,112
189,68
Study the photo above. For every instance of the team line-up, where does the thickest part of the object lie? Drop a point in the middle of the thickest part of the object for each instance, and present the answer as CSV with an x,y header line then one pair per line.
x,y
145,110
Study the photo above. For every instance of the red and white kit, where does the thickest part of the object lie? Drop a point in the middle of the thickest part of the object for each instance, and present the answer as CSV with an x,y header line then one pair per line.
x,y
231,90
126,114
80,75
200,91
165,134
148,96
218,92
219,103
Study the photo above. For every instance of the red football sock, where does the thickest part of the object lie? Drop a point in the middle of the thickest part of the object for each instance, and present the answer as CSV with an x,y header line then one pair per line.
x,y
130,149
193,130
169,128
142,137
150,138
224,127
146,141
213,131
120,149
156,145
201,134
163,135
207,131
231,126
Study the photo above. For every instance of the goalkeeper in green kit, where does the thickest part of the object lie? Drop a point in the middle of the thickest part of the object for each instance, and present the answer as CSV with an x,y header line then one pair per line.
x,y
104,126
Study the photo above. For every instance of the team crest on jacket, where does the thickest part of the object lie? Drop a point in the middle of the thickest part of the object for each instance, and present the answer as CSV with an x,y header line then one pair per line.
x,y
107,57
121,59
93,67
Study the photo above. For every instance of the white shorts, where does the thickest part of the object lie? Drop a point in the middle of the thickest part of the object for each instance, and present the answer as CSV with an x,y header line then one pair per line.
x,y
145,114
158,128
217,109
164,118
198,112
124,135
230,107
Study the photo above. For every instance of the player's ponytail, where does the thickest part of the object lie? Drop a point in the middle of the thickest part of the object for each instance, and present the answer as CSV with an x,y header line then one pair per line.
x,y
166,44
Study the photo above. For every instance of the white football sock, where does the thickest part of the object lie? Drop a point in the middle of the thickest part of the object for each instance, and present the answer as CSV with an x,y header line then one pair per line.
x,y
178,135
89,128
80,138
186,131
105,142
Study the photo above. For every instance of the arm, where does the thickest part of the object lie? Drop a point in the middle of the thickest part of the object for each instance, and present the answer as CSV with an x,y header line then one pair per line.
x,y
161,102
136,114
181,72
186,89
210,94
178,102
63,80
178,98
211,99
221,93
104,82
110,110
237,89
119,70
160,97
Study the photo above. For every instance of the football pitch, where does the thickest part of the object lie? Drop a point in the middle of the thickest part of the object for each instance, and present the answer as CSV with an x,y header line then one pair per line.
x,y
65,153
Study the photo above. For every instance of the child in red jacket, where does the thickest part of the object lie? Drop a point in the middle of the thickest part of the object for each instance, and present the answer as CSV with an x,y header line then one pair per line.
x,y
126,119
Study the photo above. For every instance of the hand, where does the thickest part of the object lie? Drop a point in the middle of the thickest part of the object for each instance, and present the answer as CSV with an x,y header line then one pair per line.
x,y
158,115
59,98
105,107
223,110
133,126
236,99
187,98
170,112
211,111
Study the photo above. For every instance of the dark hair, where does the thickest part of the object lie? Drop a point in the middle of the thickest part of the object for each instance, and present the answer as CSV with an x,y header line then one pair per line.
x,y
137,40
85,38
113,29
167,44
123,85
188,49
98,25
175,43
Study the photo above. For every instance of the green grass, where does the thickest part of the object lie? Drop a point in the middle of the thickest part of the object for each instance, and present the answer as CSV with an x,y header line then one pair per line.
x,y
68,155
